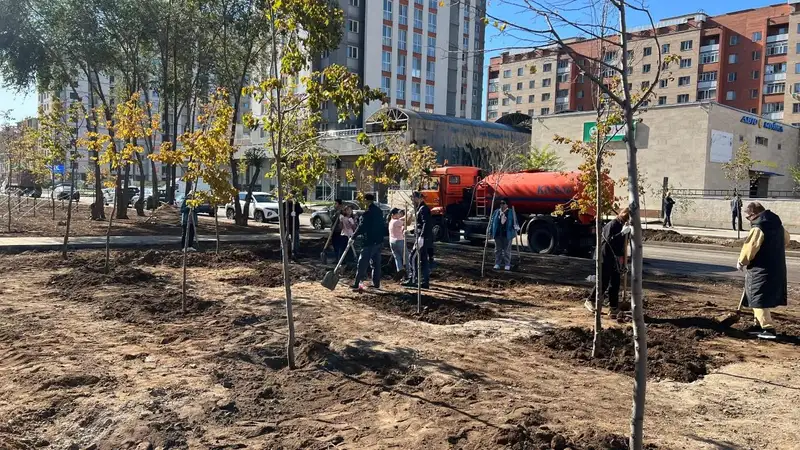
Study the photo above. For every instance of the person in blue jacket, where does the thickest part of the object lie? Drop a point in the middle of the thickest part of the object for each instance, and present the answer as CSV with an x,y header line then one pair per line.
x,y
503,229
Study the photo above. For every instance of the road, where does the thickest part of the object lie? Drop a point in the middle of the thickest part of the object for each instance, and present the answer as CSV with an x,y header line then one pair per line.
x,y
699,262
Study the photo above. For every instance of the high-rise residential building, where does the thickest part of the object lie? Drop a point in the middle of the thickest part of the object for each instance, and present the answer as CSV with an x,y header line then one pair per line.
x,y
424,56
749,60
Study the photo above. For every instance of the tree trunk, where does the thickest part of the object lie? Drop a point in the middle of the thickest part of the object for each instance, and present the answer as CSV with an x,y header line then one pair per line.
x,y
108,238
598,245
286,277
488,226
8,204
52,195
122,210
69,214
140,205
637,296
156,197
216,226
250,187
189,227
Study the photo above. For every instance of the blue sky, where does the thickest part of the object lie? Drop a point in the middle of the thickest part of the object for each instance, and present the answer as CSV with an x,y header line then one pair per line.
x,y
25,105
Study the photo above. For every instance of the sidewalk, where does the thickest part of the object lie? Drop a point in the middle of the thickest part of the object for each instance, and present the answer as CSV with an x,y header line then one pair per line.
x,y
706,232
20,244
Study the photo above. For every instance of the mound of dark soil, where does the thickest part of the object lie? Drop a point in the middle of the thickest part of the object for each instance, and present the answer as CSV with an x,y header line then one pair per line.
x,y
271,275
438,311
149,307
669,236
672,352
82,278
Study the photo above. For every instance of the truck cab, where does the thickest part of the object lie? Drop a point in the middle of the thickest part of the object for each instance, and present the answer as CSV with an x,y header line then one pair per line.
x,y
448,194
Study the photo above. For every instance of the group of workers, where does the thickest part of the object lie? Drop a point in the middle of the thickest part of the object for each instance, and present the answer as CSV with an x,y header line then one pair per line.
x,y
763,258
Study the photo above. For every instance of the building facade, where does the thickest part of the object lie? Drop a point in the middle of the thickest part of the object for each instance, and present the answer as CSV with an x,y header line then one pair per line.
x,y
425,57
749,60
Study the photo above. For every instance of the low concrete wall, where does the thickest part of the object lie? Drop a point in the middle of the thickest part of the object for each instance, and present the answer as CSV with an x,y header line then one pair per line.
x,y
715,212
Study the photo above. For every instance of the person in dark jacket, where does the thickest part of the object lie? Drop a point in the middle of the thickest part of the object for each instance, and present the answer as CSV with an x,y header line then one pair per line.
x,y
669,202
613,253
503,229
764,257
423,234
187,228
373,230
339,242
736,211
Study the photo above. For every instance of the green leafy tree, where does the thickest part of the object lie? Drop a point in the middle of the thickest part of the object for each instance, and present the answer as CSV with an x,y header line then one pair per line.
x,y
545,159
300,30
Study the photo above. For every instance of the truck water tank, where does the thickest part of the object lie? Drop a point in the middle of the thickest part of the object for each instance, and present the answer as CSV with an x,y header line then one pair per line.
x,y
531,192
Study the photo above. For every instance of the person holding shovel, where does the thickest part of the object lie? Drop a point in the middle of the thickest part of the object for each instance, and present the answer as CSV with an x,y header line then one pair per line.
x,y
420,256
373,229
763,256
503,230
187,229
397,237
613,253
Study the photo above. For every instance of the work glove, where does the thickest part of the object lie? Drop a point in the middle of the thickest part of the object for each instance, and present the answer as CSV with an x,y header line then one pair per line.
x,y
627,230
739,266
420,242
516,228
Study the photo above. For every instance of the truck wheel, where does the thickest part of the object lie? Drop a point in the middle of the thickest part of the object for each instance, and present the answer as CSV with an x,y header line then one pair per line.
x,y
542,238
438,230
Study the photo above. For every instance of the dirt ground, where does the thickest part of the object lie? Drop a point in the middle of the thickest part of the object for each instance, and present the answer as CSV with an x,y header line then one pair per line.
x,y
109,361
164,221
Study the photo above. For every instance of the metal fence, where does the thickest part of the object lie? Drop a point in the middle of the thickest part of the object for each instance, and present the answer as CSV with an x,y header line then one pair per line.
x,y
728,193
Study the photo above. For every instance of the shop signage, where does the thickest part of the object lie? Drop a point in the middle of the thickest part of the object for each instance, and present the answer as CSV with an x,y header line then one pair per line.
x,y
616,134
757,122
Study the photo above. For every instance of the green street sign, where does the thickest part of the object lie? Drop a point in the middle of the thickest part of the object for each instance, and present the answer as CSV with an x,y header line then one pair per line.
x,y
617,133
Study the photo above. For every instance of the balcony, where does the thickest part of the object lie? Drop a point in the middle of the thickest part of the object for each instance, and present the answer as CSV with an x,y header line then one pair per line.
x,y
562,100
780,76
563,69
773,116
709,48
778,38
707,85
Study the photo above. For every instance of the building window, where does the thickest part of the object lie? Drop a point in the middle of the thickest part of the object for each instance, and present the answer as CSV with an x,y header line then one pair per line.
x,y
753,93
775,88
563,63
686,45
430,70
531,98
662,100
386,85
708,94
562,93
417,18
519,99
547,67
580,78
757,54
761,140
520,71
663,83
352,26
646,68
734,39
796,108
709,57
401,90
432,46
387,9
507,73
648,51
683,81
415,92
730,95
401,65
562,78
531,84
797,68
519,86
493,115
402,38
733,58
707,76
683,98
506,87
387,36
756,36
796,88
417,43
530,112
403,14
416,67
664,48
352,52
544,111
505,102
431,23
686,62
645,85
355,3
755,74
429,94
386,61
545,96
732,76
777,48
546,82
579,94
630,55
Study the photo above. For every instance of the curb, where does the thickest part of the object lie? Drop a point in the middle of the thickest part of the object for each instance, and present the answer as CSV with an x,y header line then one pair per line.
x,y
712,247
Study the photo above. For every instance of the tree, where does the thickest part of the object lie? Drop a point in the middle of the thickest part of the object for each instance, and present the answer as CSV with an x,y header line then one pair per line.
x,y
18,152
550,21
544,159
739,171
794,172
300,30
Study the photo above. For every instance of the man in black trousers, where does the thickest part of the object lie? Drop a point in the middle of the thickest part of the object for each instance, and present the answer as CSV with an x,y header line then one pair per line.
x,y
374,230
613,252
423,244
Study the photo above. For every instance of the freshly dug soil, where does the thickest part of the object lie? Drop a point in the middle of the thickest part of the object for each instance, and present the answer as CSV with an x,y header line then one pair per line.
x,y
271,275
672,352
438,311
153,307
77,279
670,236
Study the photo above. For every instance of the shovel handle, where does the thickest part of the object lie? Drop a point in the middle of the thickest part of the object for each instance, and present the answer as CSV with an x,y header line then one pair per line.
x,y
741,300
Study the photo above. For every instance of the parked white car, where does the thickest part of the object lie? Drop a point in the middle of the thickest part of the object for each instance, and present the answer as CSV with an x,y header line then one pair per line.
x,y
263,207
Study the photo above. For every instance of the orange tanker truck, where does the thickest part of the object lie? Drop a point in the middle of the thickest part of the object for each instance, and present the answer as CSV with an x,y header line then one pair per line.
x,y
460,201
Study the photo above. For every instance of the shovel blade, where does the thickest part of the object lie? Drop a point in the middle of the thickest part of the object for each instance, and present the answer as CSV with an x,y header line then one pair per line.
x,y
330,280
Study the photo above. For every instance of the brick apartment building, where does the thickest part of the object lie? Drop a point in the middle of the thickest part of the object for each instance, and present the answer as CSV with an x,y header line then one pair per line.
x,y
749,60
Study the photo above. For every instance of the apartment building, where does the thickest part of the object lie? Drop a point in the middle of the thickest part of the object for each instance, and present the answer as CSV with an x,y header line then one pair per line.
x,y
742,59
425,57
